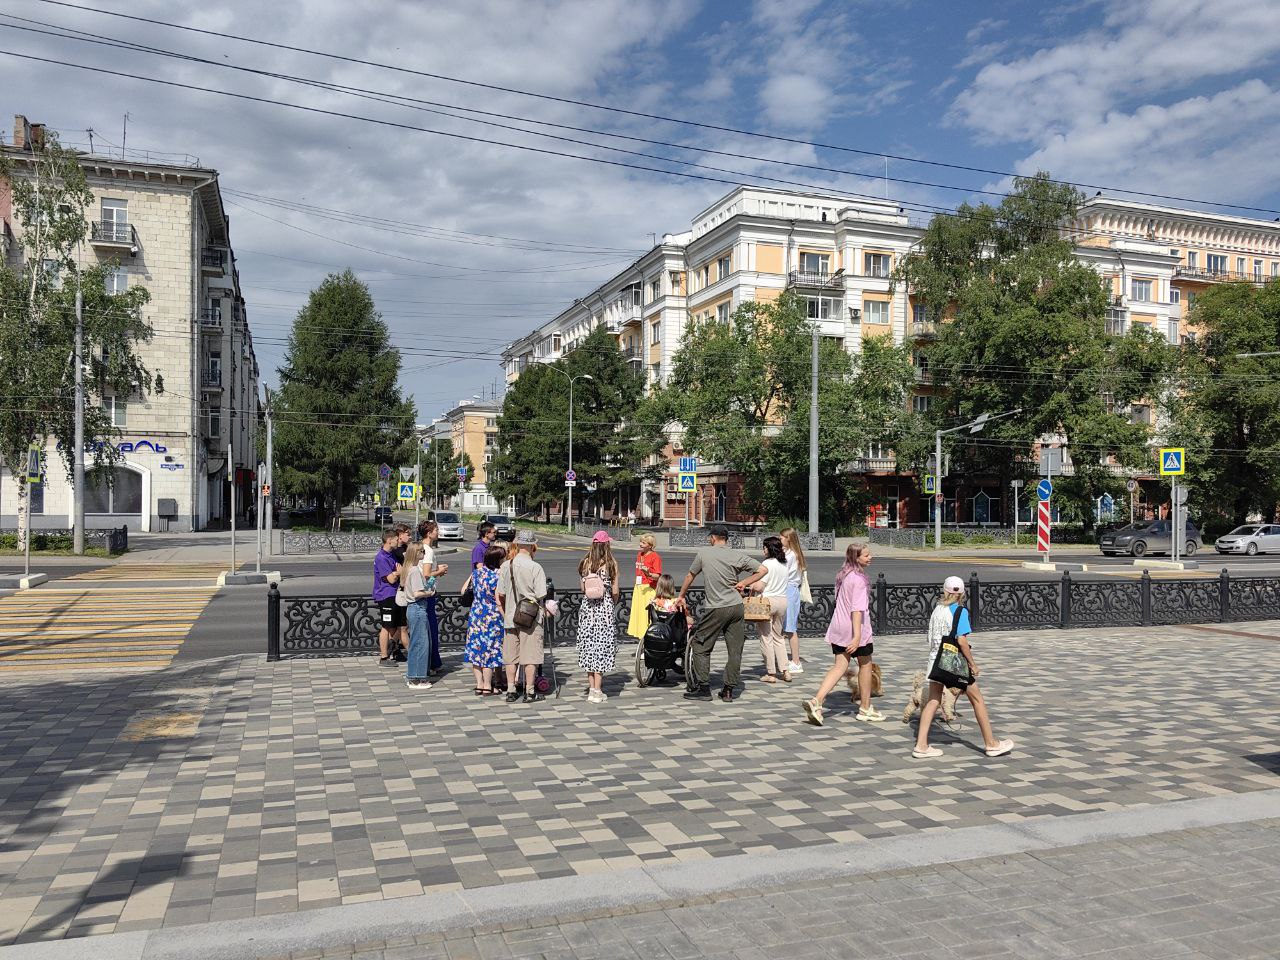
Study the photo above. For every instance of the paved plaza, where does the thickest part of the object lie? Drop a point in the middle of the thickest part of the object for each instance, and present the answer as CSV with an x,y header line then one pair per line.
x,y
231,788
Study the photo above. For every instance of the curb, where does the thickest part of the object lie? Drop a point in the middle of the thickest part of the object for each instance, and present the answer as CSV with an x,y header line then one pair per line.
x,y
316,930
23,582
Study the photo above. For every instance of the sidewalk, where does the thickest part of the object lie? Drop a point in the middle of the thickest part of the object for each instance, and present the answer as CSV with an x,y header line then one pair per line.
x,y
244,792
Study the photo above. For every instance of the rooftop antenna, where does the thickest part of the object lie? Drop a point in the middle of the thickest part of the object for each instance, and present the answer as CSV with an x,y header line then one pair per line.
x,y
886,178
124,135
90,133
653,239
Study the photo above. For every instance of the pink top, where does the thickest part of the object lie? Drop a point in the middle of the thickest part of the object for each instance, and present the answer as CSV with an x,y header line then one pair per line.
x,y
665,604
854,594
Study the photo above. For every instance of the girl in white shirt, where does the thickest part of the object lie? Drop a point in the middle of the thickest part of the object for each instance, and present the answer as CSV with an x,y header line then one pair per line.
x,y
773,587
797,570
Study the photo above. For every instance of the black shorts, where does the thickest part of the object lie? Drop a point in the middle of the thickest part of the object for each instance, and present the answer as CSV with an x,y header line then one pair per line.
x,y
863,651
391,616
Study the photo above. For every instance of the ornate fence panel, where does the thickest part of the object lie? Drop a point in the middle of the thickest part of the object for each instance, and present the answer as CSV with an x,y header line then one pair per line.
x,y
697,537
903,608
1185,601
1026,605
893,537
1253,598
1105,603
114,540
348,542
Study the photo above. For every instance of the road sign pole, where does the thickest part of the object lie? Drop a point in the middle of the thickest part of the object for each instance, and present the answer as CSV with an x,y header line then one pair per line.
x,y
417,478
1176,537
938,505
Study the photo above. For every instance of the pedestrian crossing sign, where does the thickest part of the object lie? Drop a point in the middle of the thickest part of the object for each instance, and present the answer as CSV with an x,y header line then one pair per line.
x,y
688,483
1173,462
929,484
408,491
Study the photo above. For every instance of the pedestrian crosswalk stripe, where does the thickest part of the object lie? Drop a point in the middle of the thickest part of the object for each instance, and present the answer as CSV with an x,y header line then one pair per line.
x,y
147,572
88,629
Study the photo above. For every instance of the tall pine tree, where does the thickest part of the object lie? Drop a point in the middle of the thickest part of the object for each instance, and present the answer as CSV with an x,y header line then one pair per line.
x,y
339,406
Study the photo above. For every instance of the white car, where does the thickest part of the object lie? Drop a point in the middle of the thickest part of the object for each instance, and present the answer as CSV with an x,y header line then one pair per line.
x,y
1250,538
450,524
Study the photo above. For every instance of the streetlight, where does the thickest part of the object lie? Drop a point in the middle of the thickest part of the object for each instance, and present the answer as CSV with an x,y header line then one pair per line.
x,y
568,517
813,407
973,426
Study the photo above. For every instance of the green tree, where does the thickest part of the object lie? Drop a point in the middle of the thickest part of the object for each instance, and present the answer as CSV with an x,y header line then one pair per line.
x,y
38,321
339,407
1227,410
740,390
1027,329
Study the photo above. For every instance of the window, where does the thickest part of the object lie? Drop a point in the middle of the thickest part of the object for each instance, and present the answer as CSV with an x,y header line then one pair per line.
x,y
1115,322
215,424
1215,263
818,263
1140,414
1275,268
555,342
919,314
1193,259
115,219
1257,269
723,267
1240,265
820,308
1173,331
120,491
875,311
117,281
722,312
52,271
1175,295
674,277
921,404
1140,290
876,264
488,459
655,290
655,332
704,277
117,409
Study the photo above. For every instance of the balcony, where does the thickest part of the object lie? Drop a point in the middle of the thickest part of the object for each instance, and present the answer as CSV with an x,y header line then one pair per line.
x,y
1218,276
924,375
815,281
211,379
924,329
112,234
211,319
872,464
213,261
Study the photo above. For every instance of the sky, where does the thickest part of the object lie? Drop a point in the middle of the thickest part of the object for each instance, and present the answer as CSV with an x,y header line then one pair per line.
x,y
467,245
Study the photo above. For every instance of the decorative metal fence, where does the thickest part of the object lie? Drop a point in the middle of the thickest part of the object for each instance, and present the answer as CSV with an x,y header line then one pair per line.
x,y
302,542
346,625
893,537
697,537
113,541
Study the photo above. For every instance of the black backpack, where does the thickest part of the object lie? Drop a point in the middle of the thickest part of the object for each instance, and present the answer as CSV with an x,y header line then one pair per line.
x,y
660,637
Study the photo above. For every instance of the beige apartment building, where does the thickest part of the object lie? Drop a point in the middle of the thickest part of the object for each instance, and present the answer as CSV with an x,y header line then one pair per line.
x,y
838,254
472,428
165,226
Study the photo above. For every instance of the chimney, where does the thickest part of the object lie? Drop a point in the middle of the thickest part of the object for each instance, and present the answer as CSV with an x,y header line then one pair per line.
x,y
20,128
37,137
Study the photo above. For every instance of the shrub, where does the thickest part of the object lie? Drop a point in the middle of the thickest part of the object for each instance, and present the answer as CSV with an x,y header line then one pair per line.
x,y
982,538
951,538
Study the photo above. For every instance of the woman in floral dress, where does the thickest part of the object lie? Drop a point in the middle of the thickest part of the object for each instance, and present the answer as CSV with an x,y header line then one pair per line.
x,y
597,625
485,623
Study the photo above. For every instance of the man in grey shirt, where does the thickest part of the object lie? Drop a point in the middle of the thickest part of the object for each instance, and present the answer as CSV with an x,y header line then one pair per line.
x,y
726,573
522,578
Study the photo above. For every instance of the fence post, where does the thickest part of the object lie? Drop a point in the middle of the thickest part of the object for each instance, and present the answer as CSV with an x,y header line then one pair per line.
x,y
308,536
975,617
882,604
1224,596
1065,606
273,622
1146,598
353,541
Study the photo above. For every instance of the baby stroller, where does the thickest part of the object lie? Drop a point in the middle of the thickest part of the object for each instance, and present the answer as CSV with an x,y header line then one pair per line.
x,y
663,647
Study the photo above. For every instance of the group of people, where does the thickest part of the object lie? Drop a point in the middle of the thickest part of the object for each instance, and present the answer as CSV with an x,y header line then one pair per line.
x,y
511,597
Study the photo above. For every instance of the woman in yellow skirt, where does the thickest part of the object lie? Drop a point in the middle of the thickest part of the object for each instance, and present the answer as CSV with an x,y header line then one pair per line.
x,y
648,569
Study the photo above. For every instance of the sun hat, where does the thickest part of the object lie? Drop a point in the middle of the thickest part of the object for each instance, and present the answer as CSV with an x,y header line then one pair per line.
x,y
602,536
527,537
953,585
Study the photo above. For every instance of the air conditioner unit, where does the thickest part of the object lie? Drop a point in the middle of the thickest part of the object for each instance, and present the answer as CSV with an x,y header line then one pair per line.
x,y
1118,300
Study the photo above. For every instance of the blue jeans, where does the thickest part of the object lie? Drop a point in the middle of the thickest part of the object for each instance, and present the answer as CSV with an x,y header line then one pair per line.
x,y
419,641
433,624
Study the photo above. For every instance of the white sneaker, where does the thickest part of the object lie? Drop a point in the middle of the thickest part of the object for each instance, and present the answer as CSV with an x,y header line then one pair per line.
x,y
1000,749
927,754
813,711
794,668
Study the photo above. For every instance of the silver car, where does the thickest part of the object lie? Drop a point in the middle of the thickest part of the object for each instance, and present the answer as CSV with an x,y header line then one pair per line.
x,y
450,524
1148,536
1250,539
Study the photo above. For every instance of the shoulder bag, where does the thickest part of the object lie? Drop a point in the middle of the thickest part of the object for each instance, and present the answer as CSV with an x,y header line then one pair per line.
x,y
526,615
806,595
950,668
756,607
468,595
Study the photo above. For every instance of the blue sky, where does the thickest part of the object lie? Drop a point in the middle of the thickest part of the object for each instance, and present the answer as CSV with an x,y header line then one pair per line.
x,y
1167,96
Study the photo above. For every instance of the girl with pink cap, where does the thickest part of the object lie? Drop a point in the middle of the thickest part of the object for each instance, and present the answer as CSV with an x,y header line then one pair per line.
x,y
597,625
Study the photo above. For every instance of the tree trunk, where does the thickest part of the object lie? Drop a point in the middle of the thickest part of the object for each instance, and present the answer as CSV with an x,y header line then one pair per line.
x,y
24,514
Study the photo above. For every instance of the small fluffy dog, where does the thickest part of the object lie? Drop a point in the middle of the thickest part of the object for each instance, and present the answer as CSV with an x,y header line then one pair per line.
x,y
877,685
920,696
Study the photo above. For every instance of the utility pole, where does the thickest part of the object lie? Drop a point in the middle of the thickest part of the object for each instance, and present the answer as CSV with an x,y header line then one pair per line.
x,y
417,479
257,516
568,517
813,436
231,488
269,505
77,456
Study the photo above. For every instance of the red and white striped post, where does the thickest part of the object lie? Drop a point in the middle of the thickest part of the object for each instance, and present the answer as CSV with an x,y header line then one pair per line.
x,y
1043,537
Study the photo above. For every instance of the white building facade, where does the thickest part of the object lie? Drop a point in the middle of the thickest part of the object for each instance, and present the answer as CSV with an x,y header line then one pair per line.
x,y
166,227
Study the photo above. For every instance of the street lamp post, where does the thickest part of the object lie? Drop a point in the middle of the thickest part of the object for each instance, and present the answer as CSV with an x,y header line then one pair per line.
x,y
973,426
568,517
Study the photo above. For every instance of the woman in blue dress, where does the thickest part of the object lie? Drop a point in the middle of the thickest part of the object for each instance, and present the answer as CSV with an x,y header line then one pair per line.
x,y
485,624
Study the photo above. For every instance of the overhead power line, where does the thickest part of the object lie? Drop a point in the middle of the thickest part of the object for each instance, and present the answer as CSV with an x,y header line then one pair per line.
x,y
621,110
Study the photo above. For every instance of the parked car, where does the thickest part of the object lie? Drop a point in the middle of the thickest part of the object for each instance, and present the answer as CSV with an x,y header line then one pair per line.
x,y
502,526
382,515
1250,538
1148,536
450,524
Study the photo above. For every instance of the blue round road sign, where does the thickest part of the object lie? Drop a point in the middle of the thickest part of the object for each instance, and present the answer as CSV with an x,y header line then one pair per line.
x,y
1045,489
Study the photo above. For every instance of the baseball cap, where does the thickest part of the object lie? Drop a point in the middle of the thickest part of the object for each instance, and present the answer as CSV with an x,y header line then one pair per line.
x,y
602,536
953,585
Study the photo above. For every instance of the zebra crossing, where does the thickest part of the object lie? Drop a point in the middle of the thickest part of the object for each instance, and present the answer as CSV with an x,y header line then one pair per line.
x,y
70,629
124,572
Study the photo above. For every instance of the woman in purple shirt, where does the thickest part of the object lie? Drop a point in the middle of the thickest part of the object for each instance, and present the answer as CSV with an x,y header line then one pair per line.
x,y
850,635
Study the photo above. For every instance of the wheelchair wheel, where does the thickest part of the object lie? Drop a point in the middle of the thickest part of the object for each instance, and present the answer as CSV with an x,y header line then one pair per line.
x,y
641,672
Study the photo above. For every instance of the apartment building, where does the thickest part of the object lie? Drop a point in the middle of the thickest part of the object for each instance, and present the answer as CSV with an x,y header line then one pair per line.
x,y
472,428
166,228
838,253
